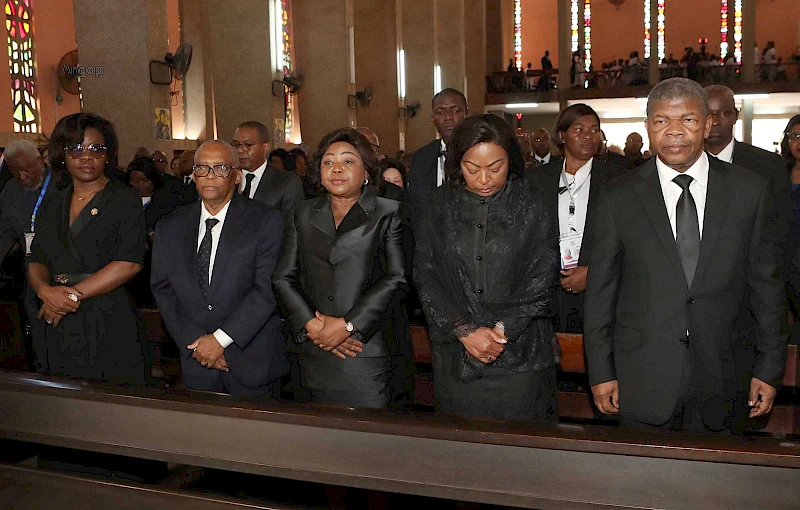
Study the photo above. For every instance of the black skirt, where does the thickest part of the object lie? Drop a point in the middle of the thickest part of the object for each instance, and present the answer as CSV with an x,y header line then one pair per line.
x,y
500,394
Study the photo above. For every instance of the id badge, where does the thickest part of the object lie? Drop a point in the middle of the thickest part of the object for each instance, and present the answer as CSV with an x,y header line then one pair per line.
x,y
570,248
28,242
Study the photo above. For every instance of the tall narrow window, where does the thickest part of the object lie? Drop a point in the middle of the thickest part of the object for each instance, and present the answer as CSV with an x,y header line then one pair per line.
x,y
659,30
518,33
284,63
737,30
22,65
587,35
723,30
574,25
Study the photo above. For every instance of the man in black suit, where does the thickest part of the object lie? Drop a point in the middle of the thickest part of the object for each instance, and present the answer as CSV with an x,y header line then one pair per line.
x,y
610,156
212,280
676,243
185,186
261,181
427,166
20,200
633,150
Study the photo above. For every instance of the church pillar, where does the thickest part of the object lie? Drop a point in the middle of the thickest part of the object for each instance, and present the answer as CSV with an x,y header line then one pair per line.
x,y
418,42
197,90
493,36
123,38
747,120
564,49
326,59
475,54
376,53
449,45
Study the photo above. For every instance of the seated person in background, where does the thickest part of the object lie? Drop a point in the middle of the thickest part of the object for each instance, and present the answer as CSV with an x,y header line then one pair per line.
x,y
89,242
486,269
339,276
158,200
212,280
297,163
394,171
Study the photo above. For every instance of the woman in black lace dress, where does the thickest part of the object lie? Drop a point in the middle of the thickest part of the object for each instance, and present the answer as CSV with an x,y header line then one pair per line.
x,y
485,266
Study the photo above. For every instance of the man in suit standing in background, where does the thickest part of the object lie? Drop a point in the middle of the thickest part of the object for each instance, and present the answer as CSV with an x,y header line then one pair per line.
x,y
186,187
212,280
261,181
677,243
427,166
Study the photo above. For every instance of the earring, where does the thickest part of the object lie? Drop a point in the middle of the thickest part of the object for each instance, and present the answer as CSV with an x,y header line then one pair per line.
x,y
366,181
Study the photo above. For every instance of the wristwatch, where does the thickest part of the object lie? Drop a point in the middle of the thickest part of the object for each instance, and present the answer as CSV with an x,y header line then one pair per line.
x,y
349,327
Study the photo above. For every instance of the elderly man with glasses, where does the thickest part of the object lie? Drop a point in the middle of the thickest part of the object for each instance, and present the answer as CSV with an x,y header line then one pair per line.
x,y
212,280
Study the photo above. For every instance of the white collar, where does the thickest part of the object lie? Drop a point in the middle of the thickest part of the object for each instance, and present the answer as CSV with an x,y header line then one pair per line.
x,y
698,171
545,159
582,174
726,154
443,145
258,171
204,214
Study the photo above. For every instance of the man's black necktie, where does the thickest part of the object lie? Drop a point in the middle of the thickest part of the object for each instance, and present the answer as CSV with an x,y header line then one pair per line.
x,y
186,181
248,176
687,227
204,257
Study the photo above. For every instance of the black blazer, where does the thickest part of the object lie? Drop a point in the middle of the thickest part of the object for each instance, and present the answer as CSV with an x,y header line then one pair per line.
x,y
548,178
772,167
241,300
423,176
639,307
355,272
279,189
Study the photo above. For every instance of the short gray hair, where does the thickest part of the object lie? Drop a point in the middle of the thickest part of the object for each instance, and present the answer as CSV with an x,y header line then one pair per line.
x,y
18,148
232,152
677,88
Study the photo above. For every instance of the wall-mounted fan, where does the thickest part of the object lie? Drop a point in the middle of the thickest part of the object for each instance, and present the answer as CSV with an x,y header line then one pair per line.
x,y
364,96
67,74
413,109
180,60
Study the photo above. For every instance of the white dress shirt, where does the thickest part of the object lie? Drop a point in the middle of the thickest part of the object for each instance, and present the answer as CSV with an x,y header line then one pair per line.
x,y
187,179
222,337
726,154
672,192
440,175
580,193
545,160
259,173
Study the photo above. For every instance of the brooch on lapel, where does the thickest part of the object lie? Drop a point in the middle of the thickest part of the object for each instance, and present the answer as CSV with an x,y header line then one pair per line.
x,y
94,211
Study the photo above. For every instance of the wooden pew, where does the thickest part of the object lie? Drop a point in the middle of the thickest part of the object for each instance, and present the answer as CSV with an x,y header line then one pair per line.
x,y
784,419
523,465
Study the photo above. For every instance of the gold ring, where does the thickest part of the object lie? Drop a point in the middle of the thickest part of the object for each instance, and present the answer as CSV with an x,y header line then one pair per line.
x,y
489,358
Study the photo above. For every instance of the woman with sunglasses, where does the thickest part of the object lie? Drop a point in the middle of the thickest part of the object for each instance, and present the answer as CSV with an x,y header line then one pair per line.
x,y
89,241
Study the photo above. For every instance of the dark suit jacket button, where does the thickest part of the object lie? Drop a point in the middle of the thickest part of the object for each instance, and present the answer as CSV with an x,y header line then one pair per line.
x,y
480,225
480,291
210,307
478,257
690,301
483,202
330,298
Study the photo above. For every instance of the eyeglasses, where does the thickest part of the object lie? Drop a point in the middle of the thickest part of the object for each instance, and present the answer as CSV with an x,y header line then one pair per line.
x,y
792,137
247,146
96,150
222,171
160,160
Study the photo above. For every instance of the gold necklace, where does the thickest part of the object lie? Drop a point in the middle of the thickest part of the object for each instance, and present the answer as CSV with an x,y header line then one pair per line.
x,y
90,193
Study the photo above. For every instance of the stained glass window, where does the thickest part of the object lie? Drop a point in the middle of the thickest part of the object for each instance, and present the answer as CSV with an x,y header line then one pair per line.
x,y
660,33
587,36
518,33
574,25
21,63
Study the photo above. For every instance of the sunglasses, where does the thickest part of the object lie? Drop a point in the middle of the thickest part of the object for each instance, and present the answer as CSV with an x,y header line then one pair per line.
x,y
222,171
96,150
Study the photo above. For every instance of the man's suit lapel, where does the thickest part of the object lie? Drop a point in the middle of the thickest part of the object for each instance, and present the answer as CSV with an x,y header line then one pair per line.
x,y
433,172
652,198
266,183
717,198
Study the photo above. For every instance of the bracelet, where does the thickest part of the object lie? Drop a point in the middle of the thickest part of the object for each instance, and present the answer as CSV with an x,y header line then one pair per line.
x,y
500,325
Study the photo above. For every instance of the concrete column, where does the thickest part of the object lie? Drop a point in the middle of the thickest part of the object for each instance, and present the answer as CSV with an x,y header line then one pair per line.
x,y
653,74
123,37
475,54
322,51
418,42
564,44
241,69
748,41
450,42
747,120
494,36
197,87
376,47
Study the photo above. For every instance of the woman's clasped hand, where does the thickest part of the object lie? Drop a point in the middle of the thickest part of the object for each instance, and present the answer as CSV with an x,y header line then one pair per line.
x,y
57,302
330,334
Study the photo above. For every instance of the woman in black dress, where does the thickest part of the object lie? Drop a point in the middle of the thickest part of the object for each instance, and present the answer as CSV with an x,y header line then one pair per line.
x,y
89,242
340,274
485,268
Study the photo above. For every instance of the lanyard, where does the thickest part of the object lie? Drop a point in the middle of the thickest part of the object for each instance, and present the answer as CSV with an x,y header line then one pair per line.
x,y
39,200
572,194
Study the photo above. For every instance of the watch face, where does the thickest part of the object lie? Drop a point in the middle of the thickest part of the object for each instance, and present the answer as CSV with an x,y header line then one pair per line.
x,y
349,326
